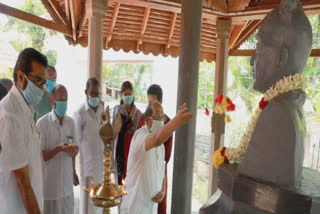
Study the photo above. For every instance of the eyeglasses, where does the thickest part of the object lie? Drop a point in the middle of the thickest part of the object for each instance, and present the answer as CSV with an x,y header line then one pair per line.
x,y
39,81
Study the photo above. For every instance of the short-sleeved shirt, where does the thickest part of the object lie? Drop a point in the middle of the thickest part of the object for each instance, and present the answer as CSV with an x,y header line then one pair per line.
x,y
58,176
145,174
43,107
20,147
87,123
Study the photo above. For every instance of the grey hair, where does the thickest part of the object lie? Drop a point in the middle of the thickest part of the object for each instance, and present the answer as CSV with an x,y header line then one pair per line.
x,y
149,110
6,81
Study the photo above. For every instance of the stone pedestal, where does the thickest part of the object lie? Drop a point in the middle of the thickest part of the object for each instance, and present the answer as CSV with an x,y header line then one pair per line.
x,y
238,194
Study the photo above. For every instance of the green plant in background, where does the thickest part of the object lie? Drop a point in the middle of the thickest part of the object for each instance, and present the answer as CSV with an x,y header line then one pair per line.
x,y
139,74
30,35
7,73
206,85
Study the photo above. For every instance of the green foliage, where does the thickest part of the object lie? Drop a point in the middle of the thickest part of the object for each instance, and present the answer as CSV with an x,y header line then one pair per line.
x,y
7,74
206,85
31,35
137,73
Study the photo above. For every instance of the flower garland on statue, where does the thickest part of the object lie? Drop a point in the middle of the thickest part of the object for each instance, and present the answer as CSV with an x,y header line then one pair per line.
x,y
287,84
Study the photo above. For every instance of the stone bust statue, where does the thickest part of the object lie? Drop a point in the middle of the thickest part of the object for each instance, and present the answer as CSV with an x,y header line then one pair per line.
x,y
276,151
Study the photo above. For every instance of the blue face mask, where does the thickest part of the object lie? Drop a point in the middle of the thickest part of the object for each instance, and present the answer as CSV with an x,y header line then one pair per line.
x,y
61,108
127,100
32,93
93,101
50,84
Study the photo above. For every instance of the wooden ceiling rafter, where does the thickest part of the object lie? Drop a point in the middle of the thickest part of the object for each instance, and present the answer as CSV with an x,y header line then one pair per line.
x,y
143,26
19,14
73,21
172,26
59,12
236,33
67,9
246,33
83,21
241,52
113,23
238,5
51,12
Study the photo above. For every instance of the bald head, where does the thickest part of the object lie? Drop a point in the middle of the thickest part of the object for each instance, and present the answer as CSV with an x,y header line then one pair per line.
x,y
284,45
59,93
154,111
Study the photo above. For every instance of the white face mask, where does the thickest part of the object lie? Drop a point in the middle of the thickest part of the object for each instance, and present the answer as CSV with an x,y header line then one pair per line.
x,y
156,125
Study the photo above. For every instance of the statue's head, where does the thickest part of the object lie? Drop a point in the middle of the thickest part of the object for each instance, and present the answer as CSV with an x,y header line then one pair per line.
x,y
284,45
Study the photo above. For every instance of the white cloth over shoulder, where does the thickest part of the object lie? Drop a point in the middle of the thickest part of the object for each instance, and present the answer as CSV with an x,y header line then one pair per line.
x,y
145,174
20,147
58,176
87,123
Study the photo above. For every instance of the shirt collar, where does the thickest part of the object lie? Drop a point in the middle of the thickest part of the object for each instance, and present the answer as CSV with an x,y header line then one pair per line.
x,y
53,116
87,105
23,104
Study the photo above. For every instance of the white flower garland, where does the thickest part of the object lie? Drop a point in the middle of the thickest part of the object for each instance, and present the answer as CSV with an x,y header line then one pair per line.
x,y
289,83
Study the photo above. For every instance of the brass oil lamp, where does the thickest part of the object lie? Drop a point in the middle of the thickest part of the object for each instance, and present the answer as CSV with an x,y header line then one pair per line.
x,y
107,194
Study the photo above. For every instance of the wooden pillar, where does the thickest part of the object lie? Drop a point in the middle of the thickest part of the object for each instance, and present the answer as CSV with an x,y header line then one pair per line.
x,y
218,124
187,93
96,12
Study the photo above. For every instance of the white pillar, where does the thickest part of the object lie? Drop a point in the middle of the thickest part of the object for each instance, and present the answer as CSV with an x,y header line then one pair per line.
x,y
217,140
96,12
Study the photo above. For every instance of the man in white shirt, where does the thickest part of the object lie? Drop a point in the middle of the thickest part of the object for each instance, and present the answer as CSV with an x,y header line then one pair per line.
x,y
20,153
59,147
87,122
146,181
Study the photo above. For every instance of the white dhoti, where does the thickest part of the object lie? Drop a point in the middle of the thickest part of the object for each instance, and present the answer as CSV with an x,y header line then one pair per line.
x,y
64,205
86,205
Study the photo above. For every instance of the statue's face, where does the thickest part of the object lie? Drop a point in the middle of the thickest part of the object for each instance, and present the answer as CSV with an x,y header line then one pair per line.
x,y
266,59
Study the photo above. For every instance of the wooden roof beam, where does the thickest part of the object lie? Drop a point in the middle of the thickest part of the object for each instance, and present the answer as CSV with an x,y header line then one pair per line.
x,y
238,5
51,11
83,21
144,26
113,23
10,11
314,52
73,21
54,4
250,29
172,25
67,9
235,34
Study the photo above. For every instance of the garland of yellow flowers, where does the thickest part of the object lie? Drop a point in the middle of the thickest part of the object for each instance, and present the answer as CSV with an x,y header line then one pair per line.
x,y
287,84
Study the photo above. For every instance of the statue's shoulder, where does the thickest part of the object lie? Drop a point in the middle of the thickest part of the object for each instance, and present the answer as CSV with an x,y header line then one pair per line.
x,y
276,116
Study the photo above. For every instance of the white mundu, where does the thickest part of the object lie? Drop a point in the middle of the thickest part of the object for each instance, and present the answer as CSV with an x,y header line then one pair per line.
x,y
87,123
58,179
145,174
19,147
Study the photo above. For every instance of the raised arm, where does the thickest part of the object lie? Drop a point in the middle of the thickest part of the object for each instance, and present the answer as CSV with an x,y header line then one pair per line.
x,y
26,191
158,138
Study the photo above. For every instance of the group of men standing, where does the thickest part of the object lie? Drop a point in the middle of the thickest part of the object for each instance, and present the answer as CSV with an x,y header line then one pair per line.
x,y
39,143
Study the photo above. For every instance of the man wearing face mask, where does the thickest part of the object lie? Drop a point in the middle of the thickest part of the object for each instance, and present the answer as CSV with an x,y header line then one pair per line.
x,y
45,105
59,147
20,153
87,122
146,180
155,94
